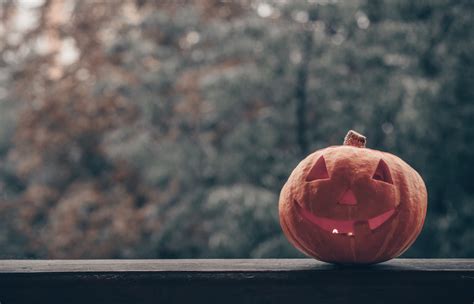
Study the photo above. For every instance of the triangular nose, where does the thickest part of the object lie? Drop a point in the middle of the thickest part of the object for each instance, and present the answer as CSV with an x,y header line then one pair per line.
x,y
348,198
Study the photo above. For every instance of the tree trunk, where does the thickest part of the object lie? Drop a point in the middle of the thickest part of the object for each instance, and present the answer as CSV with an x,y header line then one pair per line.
x,y
301,94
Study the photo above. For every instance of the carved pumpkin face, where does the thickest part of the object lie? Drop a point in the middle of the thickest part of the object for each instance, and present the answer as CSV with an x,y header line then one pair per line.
x,y
350,204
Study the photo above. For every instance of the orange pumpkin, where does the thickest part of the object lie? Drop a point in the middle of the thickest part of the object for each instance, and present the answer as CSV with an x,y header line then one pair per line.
x,y
352,205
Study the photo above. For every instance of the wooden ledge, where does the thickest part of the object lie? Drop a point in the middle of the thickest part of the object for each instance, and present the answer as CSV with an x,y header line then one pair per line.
x,y
235,281
227,265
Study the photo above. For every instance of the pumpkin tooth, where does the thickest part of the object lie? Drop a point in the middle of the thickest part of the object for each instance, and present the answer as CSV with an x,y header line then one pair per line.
x,y
375,222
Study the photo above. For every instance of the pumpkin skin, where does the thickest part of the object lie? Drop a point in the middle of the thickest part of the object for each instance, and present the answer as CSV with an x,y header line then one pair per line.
x,y
352,205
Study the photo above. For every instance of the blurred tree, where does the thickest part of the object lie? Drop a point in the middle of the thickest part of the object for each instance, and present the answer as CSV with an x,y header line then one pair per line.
x,y
161,129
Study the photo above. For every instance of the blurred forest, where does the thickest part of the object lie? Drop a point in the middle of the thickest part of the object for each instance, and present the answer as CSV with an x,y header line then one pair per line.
x,y
166,129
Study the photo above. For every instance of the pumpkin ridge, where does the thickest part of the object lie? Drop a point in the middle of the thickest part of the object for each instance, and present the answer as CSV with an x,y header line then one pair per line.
x,y
294,240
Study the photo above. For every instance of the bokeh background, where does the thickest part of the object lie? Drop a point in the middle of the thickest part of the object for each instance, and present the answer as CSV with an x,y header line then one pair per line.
x,y
166,129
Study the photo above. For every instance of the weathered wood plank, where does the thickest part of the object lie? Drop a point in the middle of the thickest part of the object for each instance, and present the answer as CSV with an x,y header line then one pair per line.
x,y
229,265
235,281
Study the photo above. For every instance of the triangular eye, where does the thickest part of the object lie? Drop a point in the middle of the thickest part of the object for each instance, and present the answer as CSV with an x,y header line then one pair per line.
x,y
382,173
319,171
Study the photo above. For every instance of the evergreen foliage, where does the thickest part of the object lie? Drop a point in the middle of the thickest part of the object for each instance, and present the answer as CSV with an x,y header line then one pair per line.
x,y
167,129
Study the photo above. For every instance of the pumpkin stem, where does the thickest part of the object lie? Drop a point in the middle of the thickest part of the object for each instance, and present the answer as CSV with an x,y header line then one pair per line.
x,y
355,139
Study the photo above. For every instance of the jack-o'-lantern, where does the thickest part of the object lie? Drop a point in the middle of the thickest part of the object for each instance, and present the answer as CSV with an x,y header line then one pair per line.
x,y
352,205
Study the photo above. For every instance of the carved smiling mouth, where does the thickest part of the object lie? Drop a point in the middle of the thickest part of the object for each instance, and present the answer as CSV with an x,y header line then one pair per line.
x,y
344,227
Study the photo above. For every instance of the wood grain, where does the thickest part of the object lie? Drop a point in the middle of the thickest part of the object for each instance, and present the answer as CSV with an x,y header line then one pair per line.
x,y
235,281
